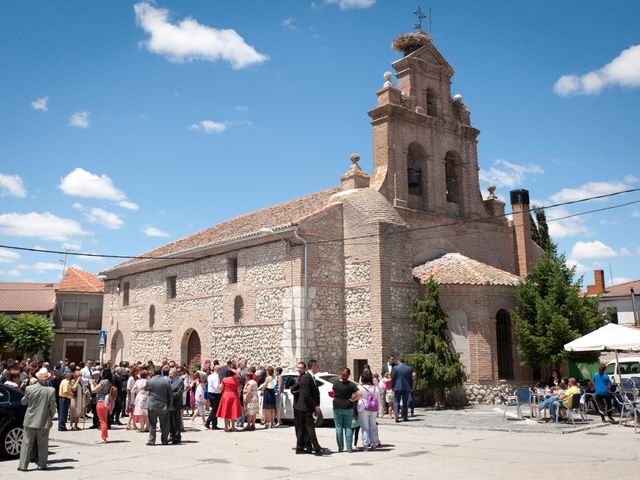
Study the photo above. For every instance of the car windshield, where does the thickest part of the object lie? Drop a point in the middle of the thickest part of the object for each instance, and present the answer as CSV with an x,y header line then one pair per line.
x,y
330,378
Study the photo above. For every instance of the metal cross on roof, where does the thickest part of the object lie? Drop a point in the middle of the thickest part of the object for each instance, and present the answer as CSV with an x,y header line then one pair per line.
x,y
421,16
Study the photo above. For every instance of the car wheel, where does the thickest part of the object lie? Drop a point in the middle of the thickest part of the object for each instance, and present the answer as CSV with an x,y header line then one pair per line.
x,y
11,441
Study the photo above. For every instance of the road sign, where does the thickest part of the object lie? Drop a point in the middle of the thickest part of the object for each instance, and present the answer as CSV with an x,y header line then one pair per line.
x,y
102,342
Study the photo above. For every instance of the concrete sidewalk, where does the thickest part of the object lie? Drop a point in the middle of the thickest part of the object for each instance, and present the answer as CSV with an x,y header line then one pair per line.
x,y
416,449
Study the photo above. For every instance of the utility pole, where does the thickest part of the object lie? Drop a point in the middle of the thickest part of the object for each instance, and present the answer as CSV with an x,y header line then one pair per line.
x,y
633,305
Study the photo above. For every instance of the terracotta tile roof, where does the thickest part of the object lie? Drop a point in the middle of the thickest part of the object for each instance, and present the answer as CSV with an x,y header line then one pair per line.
x,y
76,280
27,297
456,269
622,289
277,216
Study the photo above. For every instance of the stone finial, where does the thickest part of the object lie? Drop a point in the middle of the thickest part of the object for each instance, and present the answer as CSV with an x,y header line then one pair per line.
x,y
387,77
354,177
492,195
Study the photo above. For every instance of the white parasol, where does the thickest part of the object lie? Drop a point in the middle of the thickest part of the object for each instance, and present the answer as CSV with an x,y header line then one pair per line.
x,y
611,337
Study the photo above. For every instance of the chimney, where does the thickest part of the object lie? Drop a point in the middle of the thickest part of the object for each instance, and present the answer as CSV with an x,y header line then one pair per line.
x,y
522,230
598,287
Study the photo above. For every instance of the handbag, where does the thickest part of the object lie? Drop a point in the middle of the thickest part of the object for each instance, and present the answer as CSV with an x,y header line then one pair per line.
x,y
318,418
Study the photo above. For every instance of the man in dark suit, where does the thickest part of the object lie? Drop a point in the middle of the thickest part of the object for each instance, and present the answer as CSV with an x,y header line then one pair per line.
x,y
402,384
302,442
308,404
159,404
40,401
175,422
388,367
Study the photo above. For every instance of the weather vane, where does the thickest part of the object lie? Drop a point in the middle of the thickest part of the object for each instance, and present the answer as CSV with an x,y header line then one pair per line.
x,y
421,16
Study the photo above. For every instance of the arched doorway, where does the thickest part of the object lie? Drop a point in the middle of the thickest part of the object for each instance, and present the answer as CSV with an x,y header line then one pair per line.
x,y
504,345
191,348
117,347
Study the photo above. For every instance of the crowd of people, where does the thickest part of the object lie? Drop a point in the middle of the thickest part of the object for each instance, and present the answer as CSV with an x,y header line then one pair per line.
x,y
142,396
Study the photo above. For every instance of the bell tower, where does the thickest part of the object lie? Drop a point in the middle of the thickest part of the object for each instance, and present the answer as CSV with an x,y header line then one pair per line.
x,y
424,147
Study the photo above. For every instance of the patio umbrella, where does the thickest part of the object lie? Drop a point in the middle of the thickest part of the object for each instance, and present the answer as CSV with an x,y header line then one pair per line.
x,y
611,337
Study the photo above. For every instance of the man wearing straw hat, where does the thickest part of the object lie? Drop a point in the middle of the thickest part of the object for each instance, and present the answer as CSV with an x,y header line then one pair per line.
x,y
40,401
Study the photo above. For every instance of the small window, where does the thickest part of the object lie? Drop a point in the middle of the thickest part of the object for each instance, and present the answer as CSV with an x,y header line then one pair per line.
x,y
172,289
152,316
432,105
232,270
452,179
125,294
238,304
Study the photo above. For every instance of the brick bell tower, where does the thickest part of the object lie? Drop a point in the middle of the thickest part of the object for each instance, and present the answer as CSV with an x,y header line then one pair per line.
x,y
424,147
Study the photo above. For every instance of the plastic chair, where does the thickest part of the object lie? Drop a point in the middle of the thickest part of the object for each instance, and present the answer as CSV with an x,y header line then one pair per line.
x,y
627,408
576,408
521,397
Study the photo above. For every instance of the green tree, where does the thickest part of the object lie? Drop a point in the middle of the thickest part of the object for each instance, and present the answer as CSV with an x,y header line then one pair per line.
x,y
435,363
6,337
540,230
32,333
551,310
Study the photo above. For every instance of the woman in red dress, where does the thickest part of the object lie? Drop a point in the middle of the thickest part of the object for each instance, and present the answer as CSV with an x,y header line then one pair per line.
x,y
229,407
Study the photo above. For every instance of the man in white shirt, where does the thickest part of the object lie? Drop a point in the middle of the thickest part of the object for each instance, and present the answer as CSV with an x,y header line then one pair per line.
x,y
86,372
215,393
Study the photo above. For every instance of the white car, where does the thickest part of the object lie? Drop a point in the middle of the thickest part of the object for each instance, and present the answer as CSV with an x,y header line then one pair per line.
x,y
628,366
324,381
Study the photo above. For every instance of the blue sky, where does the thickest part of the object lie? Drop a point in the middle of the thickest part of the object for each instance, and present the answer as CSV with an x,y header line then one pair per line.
x,y
125,125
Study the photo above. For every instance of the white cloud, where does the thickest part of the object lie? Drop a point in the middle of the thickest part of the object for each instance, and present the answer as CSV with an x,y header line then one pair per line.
x,y
81,183
560,227
89,258
623,71
45,226
630,179
619,280
71,246
349,4
12,186
40,104
208,126
8,256
80,120
14,272
128,205
580,268
189,40
589,189
104,218
289,24
77,206
509,174
595,249
151,231
637,250
241,108
624,252
41,267
635,214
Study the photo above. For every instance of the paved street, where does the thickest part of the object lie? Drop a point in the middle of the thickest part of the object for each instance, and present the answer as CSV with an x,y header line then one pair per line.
x,y
418,449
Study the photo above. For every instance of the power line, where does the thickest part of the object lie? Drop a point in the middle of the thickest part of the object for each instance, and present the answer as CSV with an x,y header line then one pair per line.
x,y
358,237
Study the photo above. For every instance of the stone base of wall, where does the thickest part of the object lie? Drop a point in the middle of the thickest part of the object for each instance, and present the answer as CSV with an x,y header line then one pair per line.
x,y
468,394
488,394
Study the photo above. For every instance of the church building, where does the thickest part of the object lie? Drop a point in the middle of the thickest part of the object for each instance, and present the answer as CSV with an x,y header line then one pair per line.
x,y
330,275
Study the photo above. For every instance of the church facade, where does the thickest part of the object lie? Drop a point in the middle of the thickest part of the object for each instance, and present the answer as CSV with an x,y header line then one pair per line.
x,y
330,275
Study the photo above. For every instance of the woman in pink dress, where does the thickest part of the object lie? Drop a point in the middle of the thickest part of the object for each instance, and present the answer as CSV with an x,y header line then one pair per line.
x,y
139,405
229,407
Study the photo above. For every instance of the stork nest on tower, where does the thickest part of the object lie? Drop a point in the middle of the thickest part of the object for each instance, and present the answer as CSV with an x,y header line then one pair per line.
x,y
410,42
